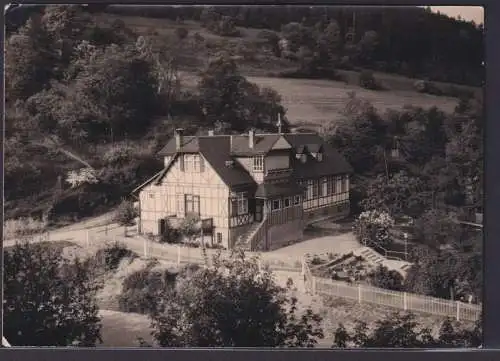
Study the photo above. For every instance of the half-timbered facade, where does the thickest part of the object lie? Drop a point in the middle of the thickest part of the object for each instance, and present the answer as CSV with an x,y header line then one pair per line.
x,y
254,191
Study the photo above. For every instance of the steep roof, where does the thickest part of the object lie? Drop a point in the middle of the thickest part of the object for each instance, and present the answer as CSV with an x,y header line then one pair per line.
x,y
220,149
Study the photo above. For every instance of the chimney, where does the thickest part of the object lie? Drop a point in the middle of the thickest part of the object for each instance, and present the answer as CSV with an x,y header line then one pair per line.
x,y
178,138
251,138
211,132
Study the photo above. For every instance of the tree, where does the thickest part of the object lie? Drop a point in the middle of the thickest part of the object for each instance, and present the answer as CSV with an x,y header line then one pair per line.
x,y
358,134
232,304
48,301
29,60
118,88
228,97
372,227
436,228
402,331
125,214
400,195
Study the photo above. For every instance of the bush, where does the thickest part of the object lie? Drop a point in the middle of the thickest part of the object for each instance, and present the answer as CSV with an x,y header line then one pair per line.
x,y
170,234
142,288
367,80
110,257
23,226
372,227
423,86
125,213
388,279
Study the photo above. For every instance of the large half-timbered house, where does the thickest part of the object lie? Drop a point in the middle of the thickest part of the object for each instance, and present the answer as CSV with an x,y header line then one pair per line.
x,y
254,191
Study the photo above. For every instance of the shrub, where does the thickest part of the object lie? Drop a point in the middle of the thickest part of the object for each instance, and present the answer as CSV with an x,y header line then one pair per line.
x,y
125,213
170,234
388,279
423,86
142,288
373,227
23,226
111,256
367,80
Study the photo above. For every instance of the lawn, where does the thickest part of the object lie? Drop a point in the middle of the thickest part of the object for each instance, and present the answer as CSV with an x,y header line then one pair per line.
x,y
312,103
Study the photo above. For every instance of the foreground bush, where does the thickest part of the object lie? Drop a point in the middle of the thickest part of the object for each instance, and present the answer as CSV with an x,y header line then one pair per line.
x,y
110,257
48,301
142,288
232,304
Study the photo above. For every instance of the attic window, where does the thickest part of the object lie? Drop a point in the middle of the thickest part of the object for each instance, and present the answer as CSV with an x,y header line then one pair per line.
x,y
258,163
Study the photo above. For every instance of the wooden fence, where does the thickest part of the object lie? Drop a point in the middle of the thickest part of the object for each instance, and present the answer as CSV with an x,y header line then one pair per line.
x,y
399,300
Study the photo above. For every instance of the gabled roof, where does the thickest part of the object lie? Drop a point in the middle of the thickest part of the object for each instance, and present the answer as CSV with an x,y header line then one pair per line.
x,y
219,149
332,163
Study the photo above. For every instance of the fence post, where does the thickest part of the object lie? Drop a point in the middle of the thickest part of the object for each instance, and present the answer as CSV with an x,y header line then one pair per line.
x,y
313,281
178,255
88,239
458,311
145,248
405,301
359,293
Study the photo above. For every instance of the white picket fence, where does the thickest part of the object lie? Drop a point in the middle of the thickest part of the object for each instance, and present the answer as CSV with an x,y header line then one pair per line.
x,y
321,286
399,300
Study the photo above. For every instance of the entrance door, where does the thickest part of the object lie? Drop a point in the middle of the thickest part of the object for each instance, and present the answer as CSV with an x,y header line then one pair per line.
x,y
259,204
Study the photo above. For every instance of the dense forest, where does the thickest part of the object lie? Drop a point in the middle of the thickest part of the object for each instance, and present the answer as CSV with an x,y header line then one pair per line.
x,y
410,41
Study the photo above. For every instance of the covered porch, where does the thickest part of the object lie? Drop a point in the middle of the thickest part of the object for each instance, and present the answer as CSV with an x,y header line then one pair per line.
x,y
279,203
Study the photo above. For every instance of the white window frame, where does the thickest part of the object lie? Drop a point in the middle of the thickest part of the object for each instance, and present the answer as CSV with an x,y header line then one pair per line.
x,y
194,202
324,187
258,163
315,187
296,200
343,184
309,192
239,204
192,163
289,199
219,238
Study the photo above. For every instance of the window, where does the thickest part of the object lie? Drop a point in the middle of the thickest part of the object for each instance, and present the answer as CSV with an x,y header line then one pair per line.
x,y
303,157
287,202
151,195
323,190
276,204
258,163
192,204
343,184
309,192
239,204
315,189
219,237
192,163
319,157
296,200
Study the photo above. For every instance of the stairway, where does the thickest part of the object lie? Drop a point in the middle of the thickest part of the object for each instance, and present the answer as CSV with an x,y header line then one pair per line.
x,y
244,241
370,255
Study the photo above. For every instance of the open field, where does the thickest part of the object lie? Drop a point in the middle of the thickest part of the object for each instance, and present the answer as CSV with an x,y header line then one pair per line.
x,y
313,103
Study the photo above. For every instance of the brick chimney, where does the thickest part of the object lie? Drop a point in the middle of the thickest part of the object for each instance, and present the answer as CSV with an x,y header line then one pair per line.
x,y
251,138
178,138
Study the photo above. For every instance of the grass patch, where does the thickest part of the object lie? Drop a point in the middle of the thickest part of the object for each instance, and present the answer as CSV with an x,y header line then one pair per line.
x,y
23,227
